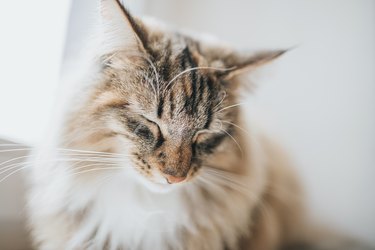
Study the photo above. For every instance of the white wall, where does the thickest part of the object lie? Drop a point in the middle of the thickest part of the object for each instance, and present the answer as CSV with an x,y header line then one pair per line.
x,y
32,38
32,46
83,16
319,99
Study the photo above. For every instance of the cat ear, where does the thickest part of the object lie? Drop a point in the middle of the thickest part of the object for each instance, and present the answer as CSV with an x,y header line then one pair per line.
x,y
238,64
120,29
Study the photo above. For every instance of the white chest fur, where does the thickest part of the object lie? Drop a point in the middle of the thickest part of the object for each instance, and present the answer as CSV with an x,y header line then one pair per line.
x,y
124,213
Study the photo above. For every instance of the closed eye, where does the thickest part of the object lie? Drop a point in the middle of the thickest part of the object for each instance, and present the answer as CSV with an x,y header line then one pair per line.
x,y
144,132
140,129
207,142
156,131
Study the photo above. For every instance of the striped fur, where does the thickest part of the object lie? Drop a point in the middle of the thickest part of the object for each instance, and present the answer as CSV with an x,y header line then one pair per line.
x,y
162,104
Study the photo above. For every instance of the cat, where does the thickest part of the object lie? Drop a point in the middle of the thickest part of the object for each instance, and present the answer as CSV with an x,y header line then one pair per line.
x,y
152,152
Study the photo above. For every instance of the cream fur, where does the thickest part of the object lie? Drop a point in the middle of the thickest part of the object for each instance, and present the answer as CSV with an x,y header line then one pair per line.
x,y
114,209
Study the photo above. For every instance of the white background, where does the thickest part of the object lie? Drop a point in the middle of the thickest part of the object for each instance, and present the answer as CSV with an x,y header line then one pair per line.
x,y
318,100
31,40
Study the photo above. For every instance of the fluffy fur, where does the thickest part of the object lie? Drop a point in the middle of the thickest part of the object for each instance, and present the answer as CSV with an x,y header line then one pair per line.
x,y
161,107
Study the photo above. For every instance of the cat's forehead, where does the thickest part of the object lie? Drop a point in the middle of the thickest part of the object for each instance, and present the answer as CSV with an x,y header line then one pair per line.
x,y
170,88
178,110
171,45
175,114
180,126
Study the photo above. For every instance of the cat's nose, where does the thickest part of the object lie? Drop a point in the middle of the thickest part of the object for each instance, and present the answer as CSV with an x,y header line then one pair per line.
x,y
174,179
173,175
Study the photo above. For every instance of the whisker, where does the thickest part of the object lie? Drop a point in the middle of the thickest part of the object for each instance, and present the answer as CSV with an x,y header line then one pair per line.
x,y
96,160
236,126
221,101
14,150
87,151
13,159
153,68
220,181
12,166
150,82
93,156
238,145
230,184
63,149
156,76
230,179
91,165
230,106
96,169
10,145
12,173
257,199
20,167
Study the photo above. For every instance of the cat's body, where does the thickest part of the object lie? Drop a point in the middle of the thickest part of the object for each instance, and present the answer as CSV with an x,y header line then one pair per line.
x,y
153,154
261,213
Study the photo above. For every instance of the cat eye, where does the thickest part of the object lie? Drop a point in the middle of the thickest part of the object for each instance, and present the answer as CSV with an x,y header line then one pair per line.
x,y
139,129
153,126
144,132
145,129
206,142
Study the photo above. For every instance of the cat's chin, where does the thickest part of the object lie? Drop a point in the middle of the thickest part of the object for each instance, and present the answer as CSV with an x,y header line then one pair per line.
x,y
155,186
158,187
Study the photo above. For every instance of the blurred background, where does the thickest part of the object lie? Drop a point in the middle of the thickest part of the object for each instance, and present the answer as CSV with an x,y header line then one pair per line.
x,y
318,100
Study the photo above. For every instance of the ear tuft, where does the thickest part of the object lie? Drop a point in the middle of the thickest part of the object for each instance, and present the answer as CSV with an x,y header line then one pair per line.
x,y
242,63
120,30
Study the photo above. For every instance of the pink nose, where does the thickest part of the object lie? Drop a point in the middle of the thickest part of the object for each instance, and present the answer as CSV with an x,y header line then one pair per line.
x,y
173,179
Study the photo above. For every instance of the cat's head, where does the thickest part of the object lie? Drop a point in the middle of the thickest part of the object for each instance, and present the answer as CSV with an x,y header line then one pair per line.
x,y
171,99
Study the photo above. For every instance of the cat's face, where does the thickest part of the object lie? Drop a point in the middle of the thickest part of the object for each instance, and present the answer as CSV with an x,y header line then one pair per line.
x,y
167,109
169,99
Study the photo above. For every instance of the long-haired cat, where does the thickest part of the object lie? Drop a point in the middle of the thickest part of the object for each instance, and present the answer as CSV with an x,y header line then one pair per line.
x,y
153,152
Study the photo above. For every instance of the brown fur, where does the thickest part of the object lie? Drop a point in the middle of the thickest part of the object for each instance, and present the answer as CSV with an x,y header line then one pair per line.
x,y
178,123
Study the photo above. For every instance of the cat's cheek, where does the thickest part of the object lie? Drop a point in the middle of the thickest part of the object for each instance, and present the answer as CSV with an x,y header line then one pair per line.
x,y
194,172
143,165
